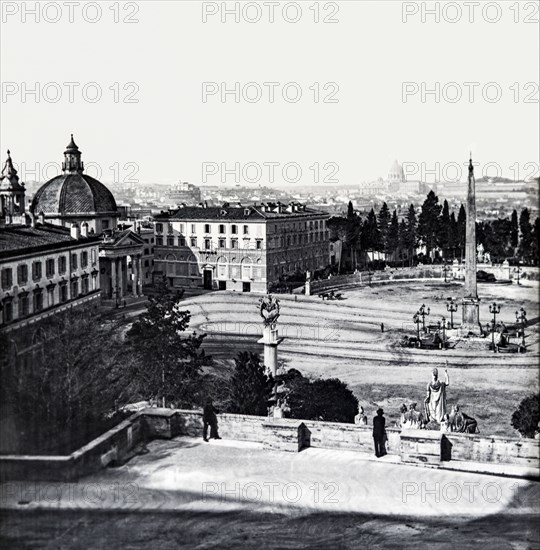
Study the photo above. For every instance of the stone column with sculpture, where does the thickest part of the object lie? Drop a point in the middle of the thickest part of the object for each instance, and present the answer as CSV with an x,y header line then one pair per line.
x,y
308,284
269,310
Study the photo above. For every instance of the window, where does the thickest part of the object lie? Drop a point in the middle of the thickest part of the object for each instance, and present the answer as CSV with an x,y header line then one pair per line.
x,y
259,245
221,229
221,243
93,256
193,241
74,261
170,228
159,241
50,296
207,244
181,241
8,311
181,228
84,259
234,229
62,264
105,224
246,229
38,300
22,274
23,305
85,285
74,289
159,228
7,278
207,228
234,243
36,271
63,293
193,228
49,267
170,241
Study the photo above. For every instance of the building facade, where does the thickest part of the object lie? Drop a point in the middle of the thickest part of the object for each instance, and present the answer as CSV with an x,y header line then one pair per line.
x,y
239,248
77,201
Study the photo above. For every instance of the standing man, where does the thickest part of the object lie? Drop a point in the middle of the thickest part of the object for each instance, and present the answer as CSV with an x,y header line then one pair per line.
x,y
435,401
379,433
210,419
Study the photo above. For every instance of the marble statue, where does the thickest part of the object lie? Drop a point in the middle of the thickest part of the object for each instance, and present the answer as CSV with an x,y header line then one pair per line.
x,y
435,402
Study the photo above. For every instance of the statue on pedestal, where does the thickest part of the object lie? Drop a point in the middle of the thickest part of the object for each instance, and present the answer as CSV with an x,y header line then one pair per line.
x,y
480,252
269,311
435,402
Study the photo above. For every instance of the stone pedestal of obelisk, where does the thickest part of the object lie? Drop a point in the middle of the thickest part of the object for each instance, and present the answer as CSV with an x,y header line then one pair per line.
x,y
470,324
271,341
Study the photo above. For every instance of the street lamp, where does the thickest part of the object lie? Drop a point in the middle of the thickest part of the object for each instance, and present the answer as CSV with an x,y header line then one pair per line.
x,y
518,270
451,306
445,271
416,319
443,326
424,313
521,318
495,309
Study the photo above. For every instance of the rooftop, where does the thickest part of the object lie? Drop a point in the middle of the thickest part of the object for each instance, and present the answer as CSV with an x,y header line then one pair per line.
x,y
264,211
15,239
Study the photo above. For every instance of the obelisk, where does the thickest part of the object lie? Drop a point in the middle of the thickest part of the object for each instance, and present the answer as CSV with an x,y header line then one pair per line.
x,y
471,315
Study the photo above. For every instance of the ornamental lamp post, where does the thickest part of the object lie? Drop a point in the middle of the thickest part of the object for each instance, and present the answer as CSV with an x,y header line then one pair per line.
x,y
521,318
495,309
451,306
443,326
424,313
517,271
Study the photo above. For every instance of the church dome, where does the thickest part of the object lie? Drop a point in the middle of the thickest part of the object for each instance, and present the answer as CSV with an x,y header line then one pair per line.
x,y
74,192
396,172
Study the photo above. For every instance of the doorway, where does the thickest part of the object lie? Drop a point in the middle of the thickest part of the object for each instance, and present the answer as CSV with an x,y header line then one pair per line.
x,y
207,281
246,287
222,285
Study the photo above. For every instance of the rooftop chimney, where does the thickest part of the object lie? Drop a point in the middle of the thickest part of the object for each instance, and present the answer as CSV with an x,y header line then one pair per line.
x,y
75,231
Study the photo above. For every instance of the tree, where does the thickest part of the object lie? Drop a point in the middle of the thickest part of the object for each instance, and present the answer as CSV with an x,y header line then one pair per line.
x,y
251,387
514,232
525,229
167,363
453,235
393,235
350,211
461,230
64,390
411,234
371,237
383,223
428,222
347,230
536,241
444,235
322,399
525,419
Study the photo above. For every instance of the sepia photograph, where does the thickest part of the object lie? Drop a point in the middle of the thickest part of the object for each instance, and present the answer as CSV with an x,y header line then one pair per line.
x,y
270,274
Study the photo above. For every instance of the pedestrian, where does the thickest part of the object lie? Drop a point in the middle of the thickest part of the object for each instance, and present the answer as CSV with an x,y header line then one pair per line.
x,y
379,433
382,327
210,419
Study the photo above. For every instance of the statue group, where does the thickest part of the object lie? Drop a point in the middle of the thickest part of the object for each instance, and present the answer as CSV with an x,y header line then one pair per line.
x,y
436,411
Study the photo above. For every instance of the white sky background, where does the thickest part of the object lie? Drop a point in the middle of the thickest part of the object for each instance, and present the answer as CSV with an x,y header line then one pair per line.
x,y
170,132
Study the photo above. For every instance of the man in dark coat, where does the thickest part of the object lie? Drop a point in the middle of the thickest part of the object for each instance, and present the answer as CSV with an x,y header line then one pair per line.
x,y
210,419
379,433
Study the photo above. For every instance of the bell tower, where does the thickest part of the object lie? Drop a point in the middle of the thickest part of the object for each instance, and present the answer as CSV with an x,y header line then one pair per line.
x,y
11,191
72,159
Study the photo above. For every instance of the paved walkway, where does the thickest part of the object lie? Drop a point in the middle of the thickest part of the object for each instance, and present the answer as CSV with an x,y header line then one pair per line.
x,y
186,474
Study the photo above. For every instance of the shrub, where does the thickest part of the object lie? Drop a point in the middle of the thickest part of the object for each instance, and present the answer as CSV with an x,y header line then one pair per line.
x,y
525,419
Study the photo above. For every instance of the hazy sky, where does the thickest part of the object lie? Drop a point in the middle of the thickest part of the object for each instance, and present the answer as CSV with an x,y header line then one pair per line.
x,y
163,60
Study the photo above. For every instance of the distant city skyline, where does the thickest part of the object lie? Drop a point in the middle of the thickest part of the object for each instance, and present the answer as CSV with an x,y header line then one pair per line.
x,y
172,129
